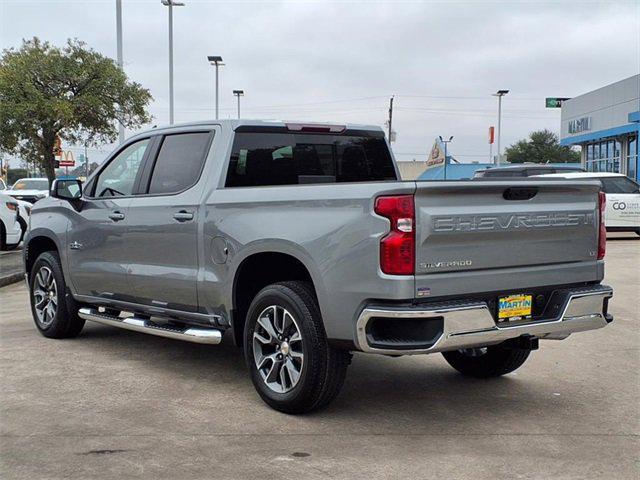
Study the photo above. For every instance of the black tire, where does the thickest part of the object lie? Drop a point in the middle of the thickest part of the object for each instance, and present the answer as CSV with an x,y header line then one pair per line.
x,y
3,237
487,362
65,322
324,367
23,228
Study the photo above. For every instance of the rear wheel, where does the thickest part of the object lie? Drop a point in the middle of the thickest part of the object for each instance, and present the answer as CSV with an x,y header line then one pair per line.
x,y
486,362
292,366
53,314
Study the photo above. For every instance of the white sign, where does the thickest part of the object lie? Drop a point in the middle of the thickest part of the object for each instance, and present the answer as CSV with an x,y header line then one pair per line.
x,y
622,210
436,157
580,125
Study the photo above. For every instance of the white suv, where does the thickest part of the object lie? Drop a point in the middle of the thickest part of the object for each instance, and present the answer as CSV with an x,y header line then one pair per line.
x,y
623,199
10,228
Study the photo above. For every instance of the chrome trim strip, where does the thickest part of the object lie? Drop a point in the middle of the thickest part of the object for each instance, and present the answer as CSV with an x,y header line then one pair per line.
x,y
472,325
209,336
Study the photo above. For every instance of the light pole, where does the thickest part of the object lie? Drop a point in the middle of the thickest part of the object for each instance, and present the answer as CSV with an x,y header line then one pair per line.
x,y
499,94
119,55
217,61
445,153
171,4
238,93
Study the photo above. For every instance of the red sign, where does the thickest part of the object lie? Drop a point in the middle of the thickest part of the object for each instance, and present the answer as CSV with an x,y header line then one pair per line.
x,y
491,134
67,160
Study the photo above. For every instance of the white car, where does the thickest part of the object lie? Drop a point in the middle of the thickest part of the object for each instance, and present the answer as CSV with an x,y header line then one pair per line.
x,y
10,229
623,199
29,189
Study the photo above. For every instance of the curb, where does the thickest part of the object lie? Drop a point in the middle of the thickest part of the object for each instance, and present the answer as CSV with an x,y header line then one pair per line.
x,y
11,278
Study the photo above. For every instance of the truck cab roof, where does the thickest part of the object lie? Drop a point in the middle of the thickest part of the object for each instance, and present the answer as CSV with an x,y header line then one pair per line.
x,y
293,125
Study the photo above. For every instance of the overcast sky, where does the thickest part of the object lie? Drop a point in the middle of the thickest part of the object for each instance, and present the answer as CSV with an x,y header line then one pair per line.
x,y
341,61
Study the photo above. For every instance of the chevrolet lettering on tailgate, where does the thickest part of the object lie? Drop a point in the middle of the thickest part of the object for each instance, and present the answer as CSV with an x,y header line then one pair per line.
x,y
511,221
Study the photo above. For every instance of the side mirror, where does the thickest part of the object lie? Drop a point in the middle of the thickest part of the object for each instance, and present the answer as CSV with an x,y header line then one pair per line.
x,y
66,189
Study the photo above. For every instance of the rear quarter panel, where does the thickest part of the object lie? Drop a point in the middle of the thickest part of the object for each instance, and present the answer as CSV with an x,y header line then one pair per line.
x,y
330,228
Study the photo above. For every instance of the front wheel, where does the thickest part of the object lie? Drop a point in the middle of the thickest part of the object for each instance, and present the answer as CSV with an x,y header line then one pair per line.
x,y
486,362
292,366
53,314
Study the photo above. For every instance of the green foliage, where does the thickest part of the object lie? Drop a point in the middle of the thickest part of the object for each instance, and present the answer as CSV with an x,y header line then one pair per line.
x,y
542,146
72,92
15,174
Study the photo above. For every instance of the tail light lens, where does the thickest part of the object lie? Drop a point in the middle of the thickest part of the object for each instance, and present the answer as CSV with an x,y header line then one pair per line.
x,y
602,234
397,248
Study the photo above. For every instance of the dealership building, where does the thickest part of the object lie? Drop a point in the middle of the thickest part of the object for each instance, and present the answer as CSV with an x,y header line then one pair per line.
x,y
605,123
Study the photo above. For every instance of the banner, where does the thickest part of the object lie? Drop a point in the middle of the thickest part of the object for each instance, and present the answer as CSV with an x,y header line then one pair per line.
x,y
436,157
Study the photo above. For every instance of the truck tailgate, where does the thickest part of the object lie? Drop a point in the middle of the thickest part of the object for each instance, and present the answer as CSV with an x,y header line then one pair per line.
x,y
468,226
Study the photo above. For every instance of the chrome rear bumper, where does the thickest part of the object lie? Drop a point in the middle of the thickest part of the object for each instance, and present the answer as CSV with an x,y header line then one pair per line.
x,y
471,324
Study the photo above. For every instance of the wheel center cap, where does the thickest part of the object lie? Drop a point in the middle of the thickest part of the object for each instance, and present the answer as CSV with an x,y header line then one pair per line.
x,y
284,348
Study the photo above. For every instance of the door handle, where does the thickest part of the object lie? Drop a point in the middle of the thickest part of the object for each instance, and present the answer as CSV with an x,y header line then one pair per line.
x,y
116,216
183,216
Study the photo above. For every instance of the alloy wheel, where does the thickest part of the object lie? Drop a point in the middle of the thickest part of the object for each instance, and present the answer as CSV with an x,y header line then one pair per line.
x,y
277,349
45,296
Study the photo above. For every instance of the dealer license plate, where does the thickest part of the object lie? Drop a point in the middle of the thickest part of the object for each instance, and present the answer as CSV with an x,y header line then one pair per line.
x,y
514,307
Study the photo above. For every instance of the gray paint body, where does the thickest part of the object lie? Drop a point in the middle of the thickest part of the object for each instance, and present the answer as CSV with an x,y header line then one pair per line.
x,y
150,260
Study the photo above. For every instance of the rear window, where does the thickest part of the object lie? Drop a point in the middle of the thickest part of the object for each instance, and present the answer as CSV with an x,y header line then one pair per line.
x,y
260,159
618,185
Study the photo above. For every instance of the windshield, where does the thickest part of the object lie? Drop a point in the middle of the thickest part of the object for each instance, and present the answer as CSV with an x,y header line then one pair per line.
x,y
619,185
31,184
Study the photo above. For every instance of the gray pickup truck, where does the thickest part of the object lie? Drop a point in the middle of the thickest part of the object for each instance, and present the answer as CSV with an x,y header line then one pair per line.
x,y
302,242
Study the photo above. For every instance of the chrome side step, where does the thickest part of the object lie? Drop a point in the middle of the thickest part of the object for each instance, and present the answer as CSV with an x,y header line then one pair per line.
x,y
210,336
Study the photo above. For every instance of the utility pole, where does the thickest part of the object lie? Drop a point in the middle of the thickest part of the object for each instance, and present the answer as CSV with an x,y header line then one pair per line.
x,y
86,160
390,117
119,55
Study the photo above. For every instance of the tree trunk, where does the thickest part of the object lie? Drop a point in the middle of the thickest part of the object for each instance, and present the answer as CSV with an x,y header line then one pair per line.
x,y
49,165
48,158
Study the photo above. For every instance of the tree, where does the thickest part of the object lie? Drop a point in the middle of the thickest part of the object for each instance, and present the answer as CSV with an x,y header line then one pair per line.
x,y
72,92
542,146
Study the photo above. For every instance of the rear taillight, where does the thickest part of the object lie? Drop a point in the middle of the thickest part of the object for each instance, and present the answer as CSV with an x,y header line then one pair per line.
x,y
398,247
602,233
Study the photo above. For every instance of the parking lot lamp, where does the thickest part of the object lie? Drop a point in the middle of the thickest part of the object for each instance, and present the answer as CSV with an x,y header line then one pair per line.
x,y
445,153
171,4
238,93
499,94
217,62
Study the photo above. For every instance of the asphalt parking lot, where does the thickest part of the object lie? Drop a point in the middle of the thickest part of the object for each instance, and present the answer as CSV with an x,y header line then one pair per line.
x,y
118,404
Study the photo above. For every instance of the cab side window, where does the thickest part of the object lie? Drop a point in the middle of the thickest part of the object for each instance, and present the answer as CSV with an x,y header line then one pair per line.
x,y
118,178
179,162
